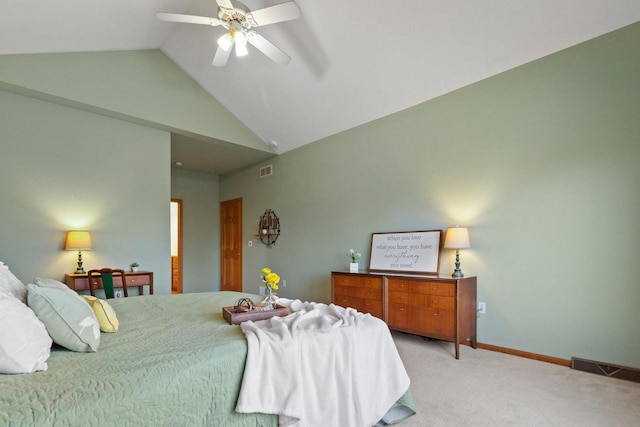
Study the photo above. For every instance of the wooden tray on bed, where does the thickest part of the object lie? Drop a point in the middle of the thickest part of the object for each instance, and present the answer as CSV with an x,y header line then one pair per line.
x,y
234,318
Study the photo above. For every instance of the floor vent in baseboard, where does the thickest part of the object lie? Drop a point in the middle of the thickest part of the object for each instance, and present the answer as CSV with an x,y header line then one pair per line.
x,y
606,369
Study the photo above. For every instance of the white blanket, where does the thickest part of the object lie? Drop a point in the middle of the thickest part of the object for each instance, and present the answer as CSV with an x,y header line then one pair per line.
x,y
323,365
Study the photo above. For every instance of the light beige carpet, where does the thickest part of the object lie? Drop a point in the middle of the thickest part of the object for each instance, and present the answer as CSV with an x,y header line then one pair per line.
x,y
485,388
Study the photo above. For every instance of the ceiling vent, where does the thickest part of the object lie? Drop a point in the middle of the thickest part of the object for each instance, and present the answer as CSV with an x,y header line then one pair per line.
x,y
266,171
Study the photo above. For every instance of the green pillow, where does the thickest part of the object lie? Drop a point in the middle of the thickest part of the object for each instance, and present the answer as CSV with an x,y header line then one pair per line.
x,y
69,320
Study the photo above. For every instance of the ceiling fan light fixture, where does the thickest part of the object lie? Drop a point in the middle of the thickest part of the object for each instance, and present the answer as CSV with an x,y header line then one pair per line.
x,y
239,20
226,40
241,44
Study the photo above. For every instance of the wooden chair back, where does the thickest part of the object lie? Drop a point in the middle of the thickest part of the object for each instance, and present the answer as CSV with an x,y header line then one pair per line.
x,y
103,278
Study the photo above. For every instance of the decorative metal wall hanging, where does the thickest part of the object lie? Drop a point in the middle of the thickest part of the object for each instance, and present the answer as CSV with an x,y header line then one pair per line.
x,y
269,227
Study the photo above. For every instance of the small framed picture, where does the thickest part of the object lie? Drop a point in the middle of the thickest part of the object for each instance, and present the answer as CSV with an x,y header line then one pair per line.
x,y
406,251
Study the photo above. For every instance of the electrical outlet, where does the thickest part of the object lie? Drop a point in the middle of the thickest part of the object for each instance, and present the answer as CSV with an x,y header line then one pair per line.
x,y
482,307
250,243
262,290
118,294
284,283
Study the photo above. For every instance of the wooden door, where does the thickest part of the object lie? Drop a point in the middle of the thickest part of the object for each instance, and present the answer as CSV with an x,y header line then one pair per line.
x,y
231,245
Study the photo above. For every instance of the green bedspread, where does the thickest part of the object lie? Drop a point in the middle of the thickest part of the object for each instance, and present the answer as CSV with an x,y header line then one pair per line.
x,y
174,362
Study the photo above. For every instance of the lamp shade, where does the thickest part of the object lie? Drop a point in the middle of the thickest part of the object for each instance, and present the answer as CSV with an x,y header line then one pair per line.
x,y
78,241
457,238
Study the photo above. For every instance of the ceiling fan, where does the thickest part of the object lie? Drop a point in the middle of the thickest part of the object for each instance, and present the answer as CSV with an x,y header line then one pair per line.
x,y
238,20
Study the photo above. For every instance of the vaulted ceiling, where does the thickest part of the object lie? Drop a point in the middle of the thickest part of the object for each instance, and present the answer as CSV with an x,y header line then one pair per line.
x,y
351,61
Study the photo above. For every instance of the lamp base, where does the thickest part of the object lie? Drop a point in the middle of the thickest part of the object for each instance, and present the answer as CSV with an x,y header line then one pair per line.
x,y
80,270
457,273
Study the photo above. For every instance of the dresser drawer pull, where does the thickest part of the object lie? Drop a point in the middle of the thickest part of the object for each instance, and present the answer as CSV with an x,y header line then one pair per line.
x,y
435,314
435,301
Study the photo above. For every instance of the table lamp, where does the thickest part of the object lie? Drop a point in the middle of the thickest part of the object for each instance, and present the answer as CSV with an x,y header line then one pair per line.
x,y
78,241
457,238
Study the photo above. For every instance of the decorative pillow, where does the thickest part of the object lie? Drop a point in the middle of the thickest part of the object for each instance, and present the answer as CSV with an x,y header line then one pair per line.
x,y
11,283
105,314
51,283
25,344
69,320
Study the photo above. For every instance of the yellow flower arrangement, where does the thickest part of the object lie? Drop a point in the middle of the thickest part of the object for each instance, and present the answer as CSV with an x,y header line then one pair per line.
x,y
270,279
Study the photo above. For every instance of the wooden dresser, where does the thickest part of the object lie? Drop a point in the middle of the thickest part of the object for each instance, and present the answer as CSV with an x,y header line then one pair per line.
x,y
139,279
360,291
430,306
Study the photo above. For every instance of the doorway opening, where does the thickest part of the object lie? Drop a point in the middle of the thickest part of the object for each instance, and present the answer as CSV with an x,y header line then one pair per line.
x,y
176,246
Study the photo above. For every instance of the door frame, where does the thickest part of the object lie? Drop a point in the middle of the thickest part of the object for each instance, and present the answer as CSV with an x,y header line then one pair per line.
x,y
180,257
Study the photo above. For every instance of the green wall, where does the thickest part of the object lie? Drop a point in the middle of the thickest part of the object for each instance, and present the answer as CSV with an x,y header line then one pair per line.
x,y
143,86
201,229
64,169
541,163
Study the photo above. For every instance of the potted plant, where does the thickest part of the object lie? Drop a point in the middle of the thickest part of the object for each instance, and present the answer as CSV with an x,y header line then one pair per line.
x,y
265,228
134,266
354,256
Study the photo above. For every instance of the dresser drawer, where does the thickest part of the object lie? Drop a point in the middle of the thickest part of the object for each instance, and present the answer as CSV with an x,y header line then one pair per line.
x,y
399,285
398,315
357,281
347,301
372,282
138,280
440,323
341,290
446,303
399,297
366,293
344,280
435,288
362,305
408,298
372,307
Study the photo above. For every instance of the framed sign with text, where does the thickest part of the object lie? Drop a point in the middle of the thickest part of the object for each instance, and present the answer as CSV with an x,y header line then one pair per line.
x,y
407,251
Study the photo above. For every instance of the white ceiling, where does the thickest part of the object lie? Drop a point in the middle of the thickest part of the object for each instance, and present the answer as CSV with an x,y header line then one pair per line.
x,y
353,61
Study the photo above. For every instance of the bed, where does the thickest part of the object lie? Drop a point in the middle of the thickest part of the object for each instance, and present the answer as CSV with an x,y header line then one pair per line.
x,y
173,362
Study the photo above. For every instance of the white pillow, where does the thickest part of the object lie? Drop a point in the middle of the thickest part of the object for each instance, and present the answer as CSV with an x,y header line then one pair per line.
x,y
52,283
69,320
11,283
25,344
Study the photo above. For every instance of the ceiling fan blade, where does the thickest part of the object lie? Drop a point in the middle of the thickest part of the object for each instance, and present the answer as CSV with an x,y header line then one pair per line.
x,y
278,13
221,57
269,49
225,4
188,19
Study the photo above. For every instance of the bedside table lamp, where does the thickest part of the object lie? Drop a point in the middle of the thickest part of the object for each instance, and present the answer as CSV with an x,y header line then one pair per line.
x,y
457,238
78,241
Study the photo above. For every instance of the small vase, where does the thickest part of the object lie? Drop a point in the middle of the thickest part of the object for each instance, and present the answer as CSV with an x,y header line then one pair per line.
x,y
134,269
269,302
353,267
